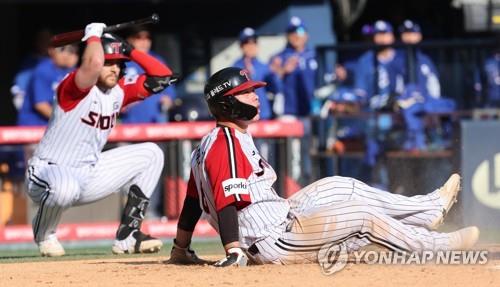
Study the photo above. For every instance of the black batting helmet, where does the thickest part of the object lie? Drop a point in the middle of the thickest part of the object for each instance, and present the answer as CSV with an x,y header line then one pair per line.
x,y
113,50
112,46
220,90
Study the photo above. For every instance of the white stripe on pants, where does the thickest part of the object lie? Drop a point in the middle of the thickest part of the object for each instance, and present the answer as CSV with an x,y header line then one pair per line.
x,y
55,188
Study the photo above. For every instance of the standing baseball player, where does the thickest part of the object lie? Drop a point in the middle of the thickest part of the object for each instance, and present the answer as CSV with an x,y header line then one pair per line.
x,y
231,184
68,167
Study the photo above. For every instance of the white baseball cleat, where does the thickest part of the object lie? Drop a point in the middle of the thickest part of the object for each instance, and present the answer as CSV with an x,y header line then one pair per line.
x,y
137,242
51,247
464,238
448,196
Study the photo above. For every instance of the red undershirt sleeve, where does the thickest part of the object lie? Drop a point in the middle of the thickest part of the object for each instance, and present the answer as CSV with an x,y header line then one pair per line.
x,y
68,94
133,88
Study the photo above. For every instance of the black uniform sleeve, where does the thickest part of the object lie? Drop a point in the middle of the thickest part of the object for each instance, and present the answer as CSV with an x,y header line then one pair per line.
x,y
190,214
228,224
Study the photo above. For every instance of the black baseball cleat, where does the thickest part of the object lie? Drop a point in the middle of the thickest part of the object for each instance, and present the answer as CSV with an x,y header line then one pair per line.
x,y
137,242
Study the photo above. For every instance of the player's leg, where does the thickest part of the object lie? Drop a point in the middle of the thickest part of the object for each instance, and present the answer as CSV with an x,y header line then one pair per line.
x,y
54,189
136,169
356,223
421,210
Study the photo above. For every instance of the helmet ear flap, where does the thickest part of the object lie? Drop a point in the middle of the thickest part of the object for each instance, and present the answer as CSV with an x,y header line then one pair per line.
x,y
227,105
122,69
229,108
222,108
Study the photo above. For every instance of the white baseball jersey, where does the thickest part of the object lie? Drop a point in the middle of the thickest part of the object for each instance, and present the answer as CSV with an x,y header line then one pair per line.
x,y
227,169
82,122
68,167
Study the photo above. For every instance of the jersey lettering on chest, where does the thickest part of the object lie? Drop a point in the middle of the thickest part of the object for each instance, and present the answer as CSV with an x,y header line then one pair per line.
x,y
262,163
99,121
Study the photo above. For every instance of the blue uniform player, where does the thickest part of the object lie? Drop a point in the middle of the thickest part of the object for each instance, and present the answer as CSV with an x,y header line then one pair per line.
x,y
379,75
492,71
154,109
37,106
420,68
423,90
379,79
258,70
296,66
23,76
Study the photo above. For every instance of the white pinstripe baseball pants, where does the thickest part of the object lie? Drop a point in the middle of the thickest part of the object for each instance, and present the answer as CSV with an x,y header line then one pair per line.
x,y
341,209
55,188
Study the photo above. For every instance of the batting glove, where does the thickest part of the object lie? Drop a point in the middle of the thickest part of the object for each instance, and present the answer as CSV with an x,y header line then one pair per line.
x,y
126,48
93,29
235,257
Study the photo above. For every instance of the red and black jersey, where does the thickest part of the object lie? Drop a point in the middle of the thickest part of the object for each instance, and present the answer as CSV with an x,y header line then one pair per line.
x,y
228,169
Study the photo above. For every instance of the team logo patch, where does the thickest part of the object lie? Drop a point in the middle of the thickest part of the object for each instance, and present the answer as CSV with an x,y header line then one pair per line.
x,y
235,186
132,79
245,73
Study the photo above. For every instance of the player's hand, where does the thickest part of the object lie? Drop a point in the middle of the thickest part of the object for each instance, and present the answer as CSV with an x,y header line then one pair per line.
x,y
235,257
166,103
93,29
275,66
185,256
291,64
126,48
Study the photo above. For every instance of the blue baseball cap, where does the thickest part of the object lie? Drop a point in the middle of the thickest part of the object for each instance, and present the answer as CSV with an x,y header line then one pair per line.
x,y
367,30
247,34
296,25
382,26
409,26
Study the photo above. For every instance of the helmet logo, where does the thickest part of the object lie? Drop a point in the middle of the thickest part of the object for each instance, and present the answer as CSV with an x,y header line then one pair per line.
x,y
245,73
115,47
218,89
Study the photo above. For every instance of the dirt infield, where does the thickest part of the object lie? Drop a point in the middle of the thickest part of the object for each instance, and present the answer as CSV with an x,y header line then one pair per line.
x,y
153,272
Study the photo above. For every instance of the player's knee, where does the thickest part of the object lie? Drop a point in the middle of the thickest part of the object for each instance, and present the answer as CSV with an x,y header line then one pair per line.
x,y
157,155
362,210
334,178
65,195
331,179
369,218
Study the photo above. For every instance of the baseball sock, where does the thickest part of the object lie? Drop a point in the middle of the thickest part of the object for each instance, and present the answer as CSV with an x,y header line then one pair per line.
x,y
133,214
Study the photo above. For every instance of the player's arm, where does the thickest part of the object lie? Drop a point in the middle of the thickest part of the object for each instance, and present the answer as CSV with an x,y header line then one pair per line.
x,y
229,234
78,83
228,169
157,76
361,78
42,92
44,108
181,252
92,58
